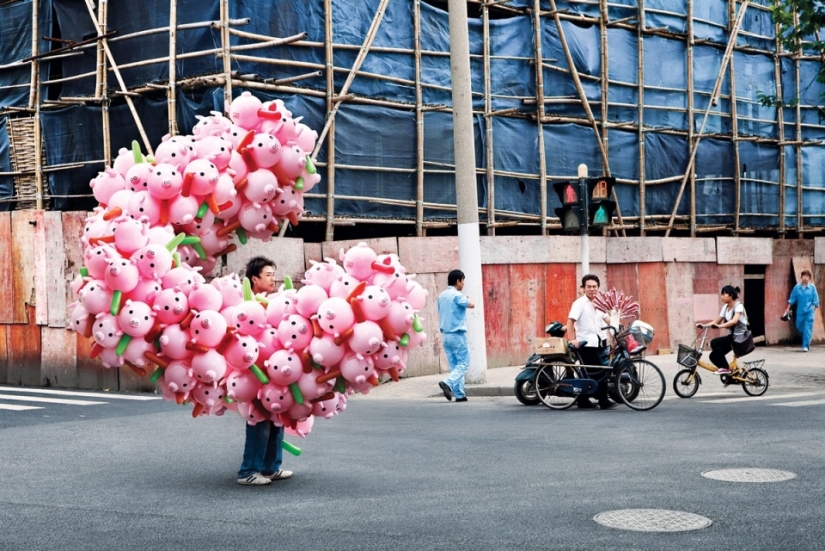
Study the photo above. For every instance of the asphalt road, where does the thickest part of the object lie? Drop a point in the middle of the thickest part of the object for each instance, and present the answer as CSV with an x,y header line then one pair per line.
x,y
415,474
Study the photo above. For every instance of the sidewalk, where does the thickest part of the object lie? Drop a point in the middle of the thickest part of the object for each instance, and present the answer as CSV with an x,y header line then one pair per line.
x,y
788,367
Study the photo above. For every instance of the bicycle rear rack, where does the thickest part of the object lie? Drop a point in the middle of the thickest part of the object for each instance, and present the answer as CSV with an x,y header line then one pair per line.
x,y
754,364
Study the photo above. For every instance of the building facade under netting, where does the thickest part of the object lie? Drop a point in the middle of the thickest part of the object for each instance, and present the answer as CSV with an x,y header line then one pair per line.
x,y
663,95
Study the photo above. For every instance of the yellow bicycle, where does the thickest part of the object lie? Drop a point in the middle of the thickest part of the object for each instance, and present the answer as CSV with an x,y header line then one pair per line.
x,y
751,375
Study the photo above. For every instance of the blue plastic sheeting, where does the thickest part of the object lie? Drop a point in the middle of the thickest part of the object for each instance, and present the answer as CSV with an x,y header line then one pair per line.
x,y
6,182
16,44
375,147
129,17
75,134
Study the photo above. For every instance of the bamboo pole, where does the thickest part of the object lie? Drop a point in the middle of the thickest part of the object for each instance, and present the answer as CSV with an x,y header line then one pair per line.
x,y
716,86
800,222
226,56
171,93
103,83
537,35
111,59
100,66
737,174
780,119
34,102
330,105
690,112
362,54
420,230
640,72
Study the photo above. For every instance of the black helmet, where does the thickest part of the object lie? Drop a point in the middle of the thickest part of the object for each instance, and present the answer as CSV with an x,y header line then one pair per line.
x,y
556,329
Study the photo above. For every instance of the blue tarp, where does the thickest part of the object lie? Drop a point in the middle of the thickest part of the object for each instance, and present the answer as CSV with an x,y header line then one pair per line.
x,y
369,137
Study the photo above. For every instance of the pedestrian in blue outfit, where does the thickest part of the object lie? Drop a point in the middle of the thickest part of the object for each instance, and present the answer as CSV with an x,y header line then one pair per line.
x,y
263,450
805,300
452,308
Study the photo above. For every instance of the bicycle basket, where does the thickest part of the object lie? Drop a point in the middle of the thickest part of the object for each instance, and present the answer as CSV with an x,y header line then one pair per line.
x,y
627,341
688,356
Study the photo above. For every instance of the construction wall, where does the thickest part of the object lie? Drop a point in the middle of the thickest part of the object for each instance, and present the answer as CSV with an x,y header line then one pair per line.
x,y
528,282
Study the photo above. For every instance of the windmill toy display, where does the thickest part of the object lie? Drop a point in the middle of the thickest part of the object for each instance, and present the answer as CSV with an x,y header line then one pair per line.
x,y
621,307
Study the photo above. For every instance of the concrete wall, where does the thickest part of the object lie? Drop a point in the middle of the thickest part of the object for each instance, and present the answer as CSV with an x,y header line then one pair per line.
x,y
528,282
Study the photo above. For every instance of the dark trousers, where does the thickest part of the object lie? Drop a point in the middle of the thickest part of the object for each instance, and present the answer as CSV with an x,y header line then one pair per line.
x,y
595,356
718,348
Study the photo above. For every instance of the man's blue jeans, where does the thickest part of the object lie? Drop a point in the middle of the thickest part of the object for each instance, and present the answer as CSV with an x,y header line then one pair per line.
x,y
458,358
263,450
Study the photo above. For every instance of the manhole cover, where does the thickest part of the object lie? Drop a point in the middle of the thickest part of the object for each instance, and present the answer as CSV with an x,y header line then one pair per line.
x,y
652,520
749,475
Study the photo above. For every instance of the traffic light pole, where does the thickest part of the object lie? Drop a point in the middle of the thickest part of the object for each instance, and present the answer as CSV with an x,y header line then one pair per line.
x,y
585,225
466,194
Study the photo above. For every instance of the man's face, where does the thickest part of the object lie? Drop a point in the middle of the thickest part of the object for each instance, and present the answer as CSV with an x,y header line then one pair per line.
x,y
459,285
266,282
806,278
591,289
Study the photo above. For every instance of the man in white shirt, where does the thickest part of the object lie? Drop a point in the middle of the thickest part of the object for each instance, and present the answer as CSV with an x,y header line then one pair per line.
x,y
584,329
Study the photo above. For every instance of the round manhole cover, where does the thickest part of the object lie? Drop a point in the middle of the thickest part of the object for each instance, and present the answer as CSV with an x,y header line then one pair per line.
x,y
749,475
652,520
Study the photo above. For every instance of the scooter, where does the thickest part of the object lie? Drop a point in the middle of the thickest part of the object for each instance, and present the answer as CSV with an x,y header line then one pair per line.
x,y
525,381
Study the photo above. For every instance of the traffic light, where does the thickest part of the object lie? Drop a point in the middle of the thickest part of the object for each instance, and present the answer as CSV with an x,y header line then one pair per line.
x,y
570,214
601,207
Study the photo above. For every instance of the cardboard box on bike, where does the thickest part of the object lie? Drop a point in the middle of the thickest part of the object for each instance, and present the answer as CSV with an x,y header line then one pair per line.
x,y
548,346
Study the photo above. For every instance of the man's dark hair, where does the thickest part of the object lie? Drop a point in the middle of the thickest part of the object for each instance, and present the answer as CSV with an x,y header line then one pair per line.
x,y
454,277
591,277
256,265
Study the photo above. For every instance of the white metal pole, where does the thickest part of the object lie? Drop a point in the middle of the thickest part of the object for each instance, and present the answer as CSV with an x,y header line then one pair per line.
x,y
585,214
469,246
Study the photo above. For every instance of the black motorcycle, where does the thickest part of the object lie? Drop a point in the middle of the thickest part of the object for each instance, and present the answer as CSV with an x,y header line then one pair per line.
x,y
525,381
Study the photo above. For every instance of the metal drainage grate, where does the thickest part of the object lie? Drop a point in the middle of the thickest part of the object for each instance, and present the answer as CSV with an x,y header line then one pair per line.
x,y
652,520
749,475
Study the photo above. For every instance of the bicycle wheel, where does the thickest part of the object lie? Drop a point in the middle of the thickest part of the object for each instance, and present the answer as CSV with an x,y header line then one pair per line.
x,y
756,383
525,393
684,385
622,384
551,387
647,381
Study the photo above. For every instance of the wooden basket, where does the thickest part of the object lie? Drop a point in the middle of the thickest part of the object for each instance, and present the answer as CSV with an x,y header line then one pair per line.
x,y
21,152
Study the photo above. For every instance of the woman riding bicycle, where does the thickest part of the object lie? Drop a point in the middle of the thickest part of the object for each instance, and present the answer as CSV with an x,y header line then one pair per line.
x,y
731,317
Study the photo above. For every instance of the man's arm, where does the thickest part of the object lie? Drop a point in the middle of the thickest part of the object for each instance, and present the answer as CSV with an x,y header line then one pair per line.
x,y
571,330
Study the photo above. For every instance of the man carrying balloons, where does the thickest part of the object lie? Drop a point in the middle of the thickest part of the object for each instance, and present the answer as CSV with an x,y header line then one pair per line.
x,y
263,450
452,308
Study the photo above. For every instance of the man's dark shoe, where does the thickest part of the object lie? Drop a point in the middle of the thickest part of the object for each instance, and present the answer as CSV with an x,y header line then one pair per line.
x,y
448,392
607,404
461,399
585,404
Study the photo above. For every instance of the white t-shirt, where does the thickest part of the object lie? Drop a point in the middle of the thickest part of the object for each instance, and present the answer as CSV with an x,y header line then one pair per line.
x,y
588,322
727,315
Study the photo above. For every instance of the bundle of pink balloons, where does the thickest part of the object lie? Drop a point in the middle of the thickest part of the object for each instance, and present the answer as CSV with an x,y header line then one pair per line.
x,y
162,223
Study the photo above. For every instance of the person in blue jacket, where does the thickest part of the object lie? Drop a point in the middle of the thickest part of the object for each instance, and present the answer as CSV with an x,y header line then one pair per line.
x,y
452,309
805,300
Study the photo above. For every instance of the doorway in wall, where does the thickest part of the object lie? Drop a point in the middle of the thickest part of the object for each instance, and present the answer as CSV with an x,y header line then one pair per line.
x,y
754,299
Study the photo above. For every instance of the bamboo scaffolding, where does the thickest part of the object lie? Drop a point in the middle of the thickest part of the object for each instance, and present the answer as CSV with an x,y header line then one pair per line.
x,y
102,85
695,146
111,59
362,54
625,19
